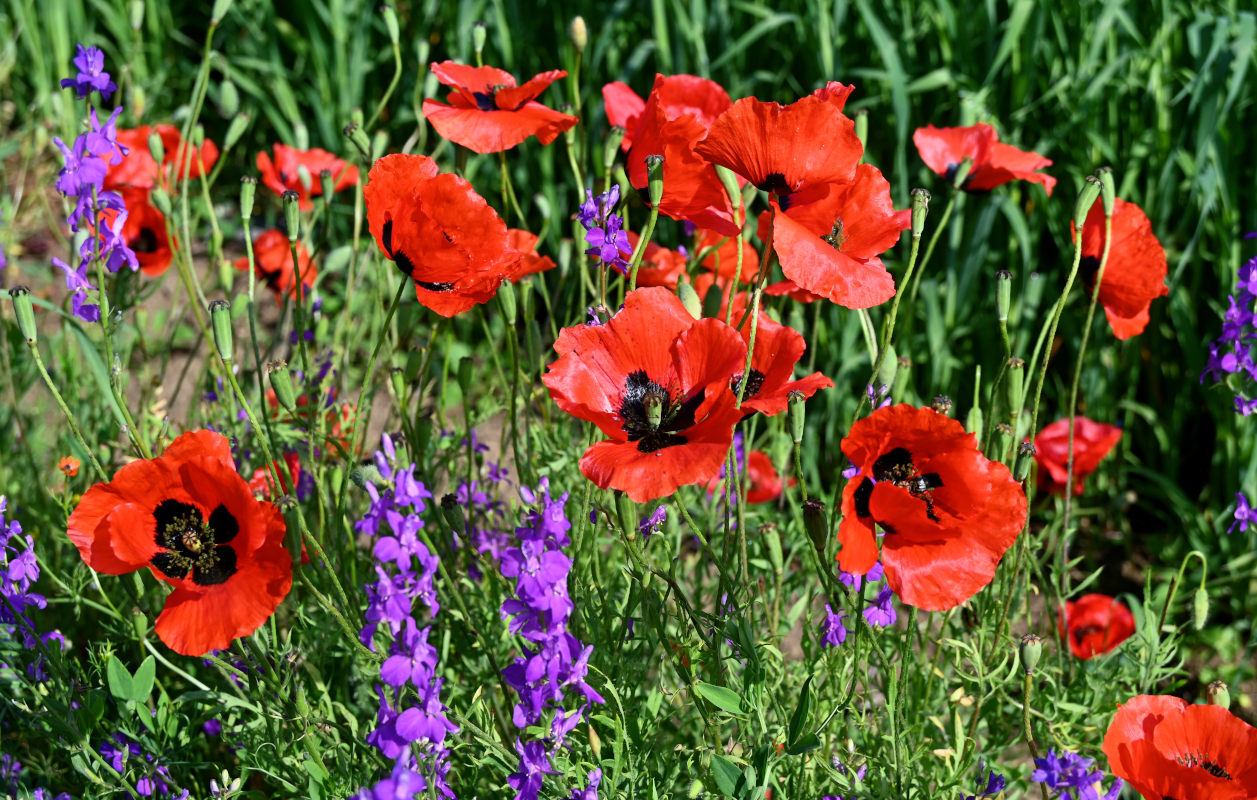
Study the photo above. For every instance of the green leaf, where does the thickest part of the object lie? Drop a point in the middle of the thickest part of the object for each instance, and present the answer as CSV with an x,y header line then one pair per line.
x,y
719,696
726,774
805,745
120,684
801,711
143,680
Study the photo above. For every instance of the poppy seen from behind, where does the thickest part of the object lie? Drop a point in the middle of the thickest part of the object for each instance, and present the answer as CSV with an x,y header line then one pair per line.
x,y
994,163
1092,442
488,113
298,171
1135,273
272,263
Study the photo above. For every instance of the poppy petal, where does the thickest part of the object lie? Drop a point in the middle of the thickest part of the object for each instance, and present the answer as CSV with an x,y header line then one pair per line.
x,y
817,266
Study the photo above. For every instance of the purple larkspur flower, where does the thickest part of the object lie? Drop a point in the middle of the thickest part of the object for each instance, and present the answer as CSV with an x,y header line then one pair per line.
x,y
1244,514
995,784
835,633
590,792
654,523
402,784
604,229
874,575
534,765
1231,355
90,62
882,613
1073,775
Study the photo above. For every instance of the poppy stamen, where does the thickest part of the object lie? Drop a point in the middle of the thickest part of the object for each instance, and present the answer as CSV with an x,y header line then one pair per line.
x,y
652,416
754,382
1202,760
193,544
896,466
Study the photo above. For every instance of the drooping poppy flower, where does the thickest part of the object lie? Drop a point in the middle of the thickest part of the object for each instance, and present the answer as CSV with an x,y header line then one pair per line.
x,y
656,382
1092,442
831,216
1135,274
298,171
272,263
144,231
289,471
440,232
1095,624
191,519
488,113
778,349
670,125
1167,749
139,170
677,96
763,482
948,513
993,162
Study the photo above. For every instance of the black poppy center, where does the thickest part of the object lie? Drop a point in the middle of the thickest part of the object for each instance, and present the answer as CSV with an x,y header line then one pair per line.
x,y
1083,631
1088,268
754,383
485,101
194,544
651,416
435,287
896,467
1202,761
404,263
950,175
776,184
144,242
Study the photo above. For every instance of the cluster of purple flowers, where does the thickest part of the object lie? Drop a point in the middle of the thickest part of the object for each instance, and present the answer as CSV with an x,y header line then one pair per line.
x,y
1073,776
881,614
11,774
605,229
18,571
554,661
1233,352
405,575
120,748
100,213
995,784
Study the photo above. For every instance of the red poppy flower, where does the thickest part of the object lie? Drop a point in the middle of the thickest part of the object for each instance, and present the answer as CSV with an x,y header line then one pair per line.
x,y
439,232
778,349
993,162
677,95
272,263
1095,624
285,172
488,113
138,170
763,482
789,288
1135,274
1169,750
144,230
1092,442
664,267
191,519
656,381
832,216
289,471
948,512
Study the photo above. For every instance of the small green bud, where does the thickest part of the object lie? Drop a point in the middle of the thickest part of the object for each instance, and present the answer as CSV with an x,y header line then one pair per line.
x,y
690,299
578,32
626,515
903,371
1016,382
1086,199
156,148
1004,436
355,114
528,302
796,406
25,311
506,299
1200,608
220,316
281,382
219,10
198,135
654,410
300,136
292,214
1031,650
729,180
452,513
390,22
862,128
817,525
1003,294
304,177
1025,460
326,184
962,173
1219,694
354,133
1108,191
139,624
611,145
160,200
595,741
137,14
248,189
886,374
239,124
920,209
379,142
465,367
654,173
228,99
478,34
397,377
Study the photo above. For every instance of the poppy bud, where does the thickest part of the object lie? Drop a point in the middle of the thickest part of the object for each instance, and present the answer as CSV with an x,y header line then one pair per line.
x,y
25,311
1200,608
219,10
379,142
962,173
1086,199
942,404
1025,460
327,185
1004,433
286,504
354,133
304,177
920,208
1003,294
729,179
1016,385
198,135
155,147
578,32
654,174
886,374
1219,695
611,145
1030,649
292,214
300,136
689,299
528,302
160,200
248,188
816,524
796,402
506,299
862,128
281,382
220,316
478,34
228,99
464,376
397,377
904,368
390,22
137,14
595,741
139,624
1108,192
235,130
626,514
452,513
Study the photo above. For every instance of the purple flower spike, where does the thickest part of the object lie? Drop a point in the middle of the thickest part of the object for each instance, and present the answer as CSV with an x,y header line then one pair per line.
x,y
1073,775
604,229
90,62
882,613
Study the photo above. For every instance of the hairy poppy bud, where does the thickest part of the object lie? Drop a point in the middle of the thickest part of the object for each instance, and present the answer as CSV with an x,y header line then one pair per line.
x,y
1086,199
942,404
155,147
292,214
160,200
452,513
862,127
814,520
506,299
902,372
1031,650
248,189
137,14
390,22
689,299
228,99
1004,436
1108,191
611,145
1016,385
25,311
304,177
1025,460
1200,608
886,374
654,174
1003,294
326,184
354,133
578,32
198,135
1219,694
465,367
920,208
478,34
220,316
379,142
626,514
796,406
218,11
239,123
281,382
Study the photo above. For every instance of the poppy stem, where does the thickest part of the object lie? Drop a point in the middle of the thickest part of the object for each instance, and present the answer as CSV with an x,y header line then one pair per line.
x,y
642,242
388,93
359,436
929,249
65,411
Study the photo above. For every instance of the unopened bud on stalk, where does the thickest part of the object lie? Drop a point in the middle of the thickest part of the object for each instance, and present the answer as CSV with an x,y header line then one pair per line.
x,y
220,316
974,422
920,208
817,526
689,298
198,135
397,377
611,145
1200,608
962,173
1086,199
239,123
729,180
942,404
578,32
25,311
452,513
326,184
292,214
248,189
478,34
1016,385
156,148
626,515
862,128
300,136
286,504
137,14
796,405
218,11
1025,460
228,98
902,374
1003,294
390,22
528,302
160,200
1031,650
1108,191
304,177
654,174
886,373
1219,694
281,382
506,299
379,142
1004,436
354,133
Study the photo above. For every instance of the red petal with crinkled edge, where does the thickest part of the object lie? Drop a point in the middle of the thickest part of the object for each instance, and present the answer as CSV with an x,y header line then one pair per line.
x,y
624,108
943,149
512,99
1094,624
789,288
530,262
778,349
817,266
649,476
1092,442
866,217
682,95
284,174
138,170
1006,164
471,80
835,94
1135,274
495,131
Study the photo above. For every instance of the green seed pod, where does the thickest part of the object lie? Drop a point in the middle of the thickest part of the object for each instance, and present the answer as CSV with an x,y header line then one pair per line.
x,y
1108,191
1200,608
1219,694
156,148
1086,199
228,99
292,214
379,142
942,404
326,184
160,200
611,145
920,209
452,513
397,377
1003,294
886,374
862,128
198,135
281,382
578,32
248,189
962,173
300,136
796,407
25,311
139,624
1031,650
1004,436
654,410
220,316
626,515
478,34
304,177
239,124
354,133
902,373
1025,460
390,22
654,176
219,10
689,299
817,526
506,299
1016,385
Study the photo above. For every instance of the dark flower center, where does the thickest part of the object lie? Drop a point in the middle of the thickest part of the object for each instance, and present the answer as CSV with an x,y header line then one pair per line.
x,y
487,100
950,175
435,287
651,416
1088,268
1202,760
194,544
144,242
1083,631
776,184
896,467
753,383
